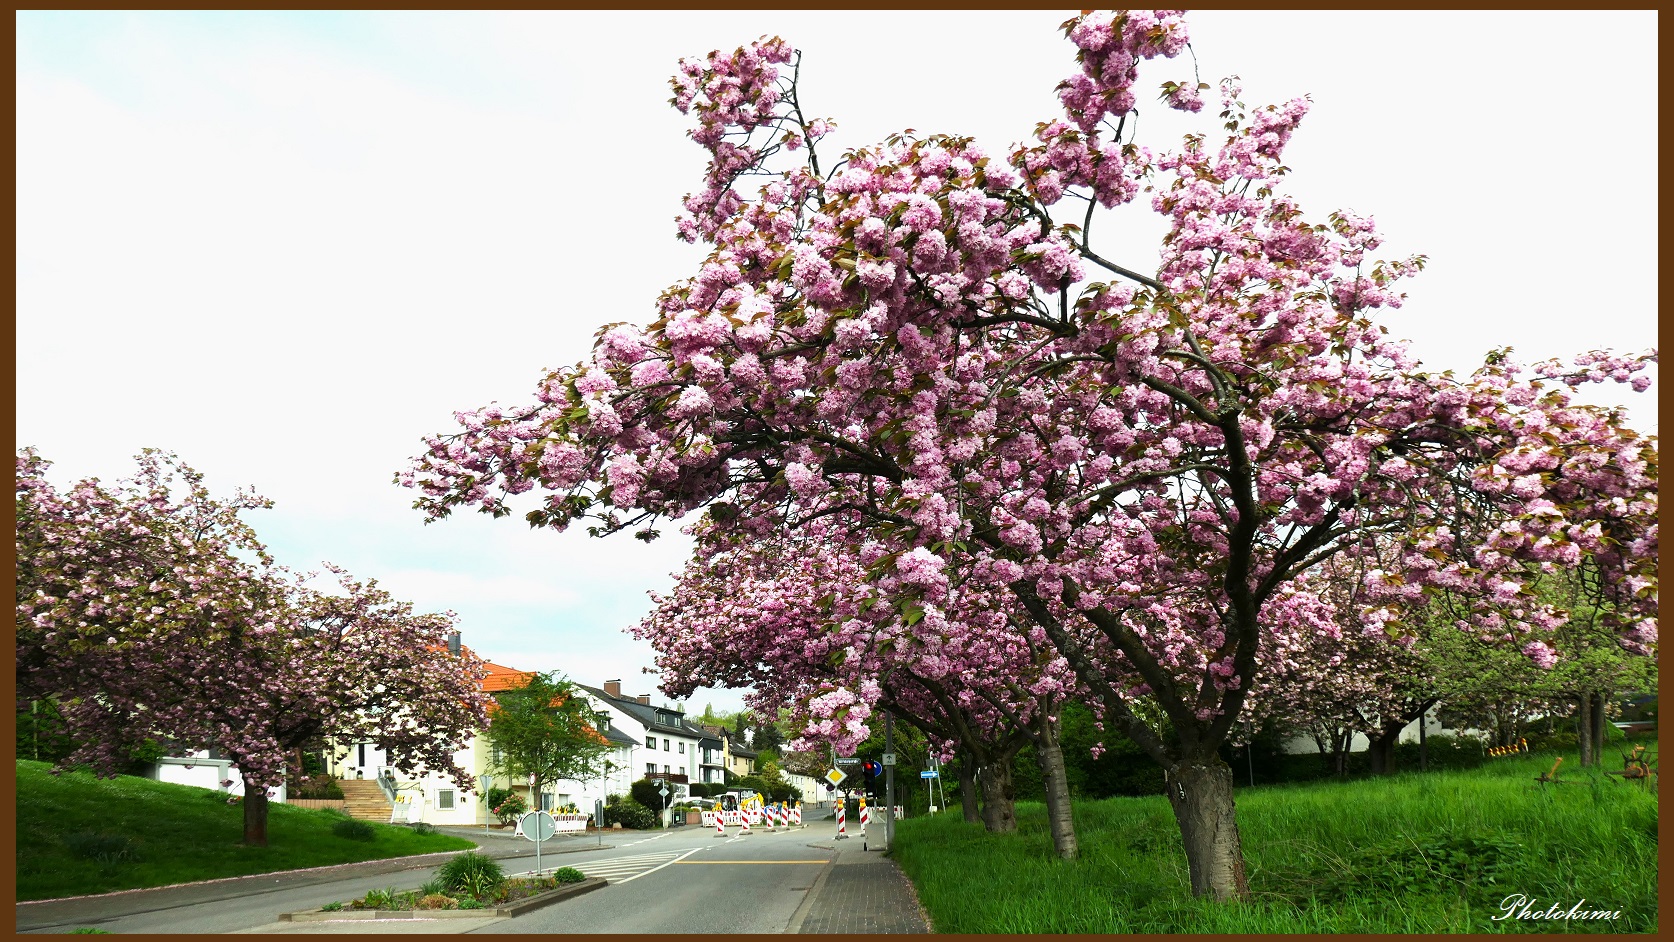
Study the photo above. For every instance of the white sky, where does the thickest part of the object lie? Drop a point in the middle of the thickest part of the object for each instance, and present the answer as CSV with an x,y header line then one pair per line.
x,y
286,246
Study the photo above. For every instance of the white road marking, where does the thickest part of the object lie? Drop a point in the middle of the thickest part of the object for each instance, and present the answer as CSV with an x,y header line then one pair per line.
x,y
660,866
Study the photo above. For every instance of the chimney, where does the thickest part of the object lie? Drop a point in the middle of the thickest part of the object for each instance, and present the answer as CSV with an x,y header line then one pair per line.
x,y
645,699
613,687
453,643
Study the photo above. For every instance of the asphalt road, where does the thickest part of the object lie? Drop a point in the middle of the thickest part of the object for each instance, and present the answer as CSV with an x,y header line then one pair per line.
x,y
702,884
677,881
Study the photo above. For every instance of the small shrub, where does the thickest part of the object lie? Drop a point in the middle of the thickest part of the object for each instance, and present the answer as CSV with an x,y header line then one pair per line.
x,y
433,887
317,786
472,873
630,814
436,901
378,899
355,830
332,907
469,903
105,848
568,875
421,827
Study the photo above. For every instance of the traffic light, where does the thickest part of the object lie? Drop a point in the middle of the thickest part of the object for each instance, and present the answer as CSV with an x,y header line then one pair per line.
x,y
872,768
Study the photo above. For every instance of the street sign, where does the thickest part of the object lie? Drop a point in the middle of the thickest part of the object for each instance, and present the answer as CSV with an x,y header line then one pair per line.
x,y
835,777
928,773
889,758
848,760
538,826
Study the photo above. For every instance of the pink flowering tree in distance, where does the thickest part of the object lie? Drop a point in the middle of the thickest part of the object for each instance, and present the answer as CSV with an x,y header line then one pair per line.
x,y
796,617
150,609
925,342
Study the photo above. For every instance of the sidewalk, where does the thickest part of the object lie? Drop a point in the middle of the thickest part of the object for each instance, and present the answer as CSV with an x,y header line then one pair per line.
x,y
861,892
91,909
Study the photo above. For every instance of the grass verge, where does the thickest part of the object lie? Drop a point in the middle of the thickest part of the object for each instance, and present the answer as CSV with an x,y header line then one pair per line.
x,y
77,834
1415,853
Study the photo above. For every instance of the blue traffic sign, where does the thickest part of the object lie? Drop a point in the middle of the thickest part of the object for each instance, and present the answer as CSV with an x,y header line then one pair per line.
x,y
928,773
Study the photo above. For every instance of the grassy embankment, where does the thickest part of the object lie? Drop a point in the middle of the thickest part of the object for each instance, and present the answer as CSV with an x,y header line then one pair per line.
x,y
155,834
1419,852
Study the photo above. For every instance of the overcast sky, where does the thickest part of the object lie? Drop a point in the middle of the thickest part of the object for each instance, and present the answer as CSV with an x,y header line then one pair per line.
x,y
288,245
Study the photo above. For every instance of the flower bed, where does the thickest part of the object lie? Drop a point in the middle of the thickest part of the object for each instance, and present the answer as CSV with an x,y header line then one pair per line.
x,y
508,898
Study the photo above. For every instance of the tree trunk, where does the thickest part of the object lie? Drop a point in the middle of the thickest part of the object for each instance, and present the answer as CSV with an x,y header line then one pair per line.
x,y
1340,751
999,814
255,815
1380,752
1050,753
1584,729
1201,795
968,790
1598,727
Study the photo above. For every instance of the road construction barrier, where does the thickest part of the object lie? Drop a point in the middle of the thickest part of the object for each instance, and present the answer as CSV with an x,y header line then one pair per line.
x,y
796,815
720,828
842,827
865,817
743,823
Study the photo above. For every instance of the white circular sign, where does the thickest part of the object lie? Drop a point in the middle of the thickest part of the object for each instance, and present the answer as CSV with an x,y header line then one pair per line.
x,y
538,826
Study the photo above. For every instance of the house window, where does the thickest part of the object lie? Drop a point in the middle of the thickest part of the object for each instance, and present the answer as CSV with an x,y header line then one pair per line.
x,y
665,770
497,755
665,745
546,801
682,748
444,799
650,742
603,721
650,768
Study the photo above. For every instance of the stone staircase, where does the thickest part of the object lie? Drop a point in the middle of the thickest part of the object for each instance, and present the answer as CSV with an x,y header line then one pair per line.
x,y
363,799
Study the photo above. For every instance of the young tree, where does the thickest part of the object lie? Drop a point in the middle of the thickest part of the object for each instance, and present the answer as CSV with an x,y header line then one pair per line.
x,y
911,337
545,731
151,610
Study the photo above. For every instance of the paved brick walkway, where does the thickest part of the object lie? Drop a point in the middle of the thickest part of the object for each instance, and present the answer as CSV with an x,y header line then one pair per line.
x,y
863,892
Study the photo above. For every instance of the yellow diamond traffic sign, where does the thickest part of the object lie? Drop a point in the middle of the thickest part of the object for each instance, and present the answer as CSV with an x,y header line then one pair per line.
x,y
835,777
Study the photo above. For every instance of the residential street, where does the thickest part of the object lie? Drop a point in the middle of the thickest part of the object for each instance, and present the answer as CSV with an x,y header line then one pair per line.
x,y
677,881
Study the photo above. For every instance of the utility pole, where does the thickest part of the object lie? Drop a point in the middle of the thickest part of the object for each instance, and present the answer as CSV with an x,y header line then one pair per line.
x,y
889,784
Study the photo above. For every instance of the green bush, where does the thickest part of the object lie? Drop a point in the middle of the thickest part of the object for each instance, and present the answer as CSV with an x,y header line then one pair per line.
x,y
471,873
354,829
630,814
316,787
568,875
420,827
105,848
509,808
645,792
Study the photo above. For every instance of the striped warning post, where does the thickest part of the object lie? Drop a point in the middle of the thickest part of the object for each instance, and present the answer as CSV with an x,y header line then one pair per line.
x,y
720,827
865,816
743,821
842,827
796,815
775,817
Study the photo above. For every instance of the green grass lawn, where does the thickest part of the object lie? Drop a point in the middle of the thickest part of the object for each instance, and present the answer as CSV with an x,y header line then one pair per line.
x,y
1418,852
177,834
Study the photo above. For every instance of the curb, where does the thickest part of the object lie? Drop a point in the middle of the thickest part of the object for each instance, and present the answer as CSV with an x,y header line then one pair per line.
x,y
510,910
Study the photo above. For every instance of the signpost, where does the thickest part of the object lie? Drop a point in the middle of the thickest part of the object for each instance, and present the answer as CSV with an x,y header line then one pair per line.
x,y
848,760
889,758
538,826
928,773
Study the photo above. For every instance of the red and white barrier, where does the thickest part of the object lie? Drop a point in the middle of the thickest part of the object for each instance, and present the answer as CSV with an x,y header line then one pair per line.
x,y
743,823
865,817
796,815
842,827
720,827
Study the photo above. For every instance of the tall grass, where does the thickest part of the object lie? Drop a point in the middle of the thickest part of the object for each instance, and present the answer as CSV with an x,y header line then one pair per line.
x,y
1418,852
77,834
